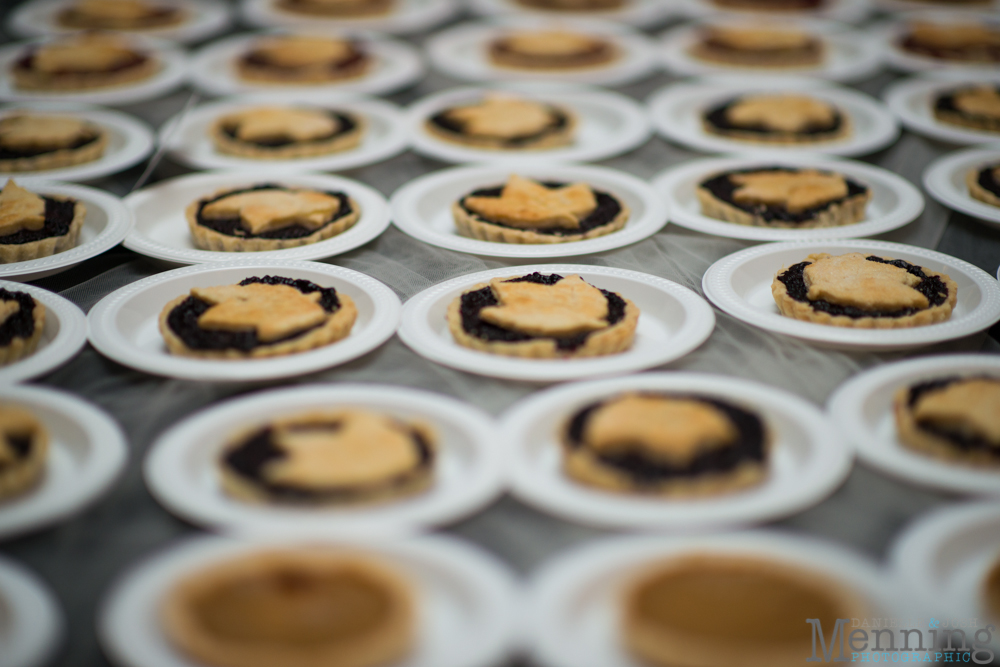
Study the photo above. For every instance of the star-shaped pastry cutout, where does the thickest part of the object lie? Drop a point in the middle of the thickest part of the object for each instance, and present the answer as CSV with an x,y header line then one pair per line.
x,y
265,210
273,311
503,117
551,43
787,113
795,190
525,203
20,209
26,132
88,52
302,51
971,408
981,101
570,306
852,280
261,123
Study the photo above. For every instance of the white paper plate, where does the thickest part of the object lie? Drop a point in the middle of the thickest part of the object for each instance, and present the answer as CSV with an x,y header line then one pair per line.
x,y
808,462
638,13
466,600
65,332
170,76
848,11
410,16
944,180
87,451
863,409
108,221
574,600
181,468
849,56
460,52
677,109
129,140
673,321
422,208
889,33
190,143
397,65
205,18
912,100
124,324
608,124
894,203
740,284
162,230
31,627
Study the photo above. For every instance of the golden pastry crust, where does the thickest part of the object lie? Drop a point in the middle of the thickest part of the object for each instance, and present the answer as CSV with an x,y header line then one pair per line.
x,y
298,60
785,116
803,310
976,107
336,8
120,15
507,112
19,347
551,50
18,475
100,49
979,192
229,145
260,610
754,47
46,247
12,131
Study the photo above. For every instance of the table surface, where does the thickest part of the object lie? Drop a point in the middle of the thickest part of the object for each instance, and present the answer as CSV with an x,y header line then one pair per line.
x,y
79,558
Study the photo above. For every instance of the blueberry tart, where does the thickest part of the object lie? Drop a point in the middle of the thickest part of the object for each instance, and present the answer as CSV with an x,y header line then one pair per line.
x,y
524,211
24,448
954,42
553,50
286,133
771,5
665,444
977,107
258,317
757,47
34,226
306,607
542,316
504,123
777,119
573,5
82,62
984,183
22,320
336,8
303,60
33,142
120,15
268,217
954,418
783,197
330,457
864,292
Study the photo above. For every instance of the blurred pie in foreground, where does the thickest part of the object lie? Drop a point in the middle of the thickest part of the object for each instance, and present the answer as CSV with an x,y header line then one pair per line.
x,y
286,133
556,50
757,47
777,119
37,225
977,107
22,320
303,59
36,142
336,8
957,42
24,448
81,62
504,123
984,183
120,15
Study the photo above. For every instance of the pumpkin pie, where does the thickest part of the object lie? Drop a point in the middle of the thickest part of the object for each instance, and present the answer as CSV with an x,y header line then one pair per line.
x,y
22,319
864,292
665,444
551,50
258,317
542,316
504,123
120,15
34,225
977,107
783,197
302,60
953,42
757,47
81,62
24,448
336,8
984,183
777,119
36,142
286,133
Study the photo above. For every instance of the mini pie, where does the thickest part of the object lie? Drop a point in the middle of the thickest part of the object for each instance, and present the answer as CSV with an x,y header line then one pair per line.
x,y
953,418
258,317
984,183
783,197
34,226
35,142
504,123
573,5
991,591
119,15
777,119
714,609
977,107
24,447
330,456
523,211
22,319
310,607
301,59
81,62
268,217
336,8
770,5
542,316
556,50
285,133
957,42
666,444
864,292
758,47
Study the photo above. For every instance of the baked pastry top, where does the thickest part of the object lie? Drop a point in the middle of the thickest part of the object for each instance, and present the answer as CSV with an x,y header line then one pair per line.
x,y
783,197
22,319
34,226
119,15
700,609
954,418
336,8
863,291
504,123
984,183
960,42
551,49
777,119
330,456
33,142
24,445
286,132
82,61
758,47
303,59
669,444
258,317
540,315
295,608
976,106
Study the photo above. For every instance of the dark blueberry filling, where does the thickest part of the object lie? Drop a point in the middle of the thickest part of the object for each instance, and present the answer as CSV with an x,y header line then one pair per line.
x,y
22,323
27,62
722,187
249,459
21,444
233,227
717,118
346,125
557,123
987,179
473,302
960,440
183,319
12,154
749,447
931,287
607,210
260,60
58,216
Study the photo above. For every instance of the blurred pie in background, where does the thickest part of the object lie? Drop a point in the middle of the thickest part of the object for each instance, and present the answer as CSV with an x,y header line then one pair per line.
x,y
757,46
119,15
22,320
336,8
24,447
975,106
284,133
770,5
984,183
573,5
303,59
32,142
37,225
952,42
503,122
551,49
777,119
81,62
